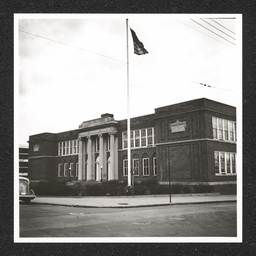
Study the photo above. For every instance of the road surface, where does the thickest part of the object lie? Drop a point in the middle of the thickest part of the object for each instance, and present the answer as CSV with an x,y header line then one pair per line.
x,y
191,220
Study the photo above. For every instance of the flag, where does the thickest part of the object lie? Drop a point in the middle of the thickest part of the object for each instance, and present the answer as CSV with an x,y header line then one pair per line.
x,y
138,45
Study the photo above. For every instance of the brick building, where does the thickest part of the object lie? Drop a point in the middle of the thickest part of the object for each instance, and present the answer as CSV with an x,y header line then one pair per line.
x,y
189,143
23,161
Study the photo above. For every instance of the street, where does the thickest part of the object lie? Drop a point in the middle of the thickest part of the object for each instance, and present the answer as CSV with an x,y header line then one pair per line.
x,y
191,220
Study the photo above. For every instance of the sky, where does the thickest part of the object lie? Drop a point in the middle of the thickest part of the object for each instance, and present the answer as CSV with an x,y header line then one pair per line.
x,y
73,68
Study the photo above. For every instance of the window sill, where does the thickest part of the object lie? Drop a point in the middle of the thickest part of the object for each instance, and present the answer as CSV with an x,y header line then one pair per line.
x,y
151,146
230,141
226,174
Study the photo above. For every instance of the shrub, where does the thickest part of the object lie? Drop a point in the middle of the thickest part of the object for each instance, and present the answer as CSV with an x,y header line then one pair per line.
x,y
145,187
113,188
129,190
203,189
51,188
162,189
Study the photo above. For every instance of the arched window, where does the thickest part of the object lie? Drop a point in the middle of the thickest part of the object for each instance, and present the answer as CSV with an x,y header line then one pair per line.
x,y
65,169
60,169
135,165
76,169
154,165
97,169
71,169
125,166
145,164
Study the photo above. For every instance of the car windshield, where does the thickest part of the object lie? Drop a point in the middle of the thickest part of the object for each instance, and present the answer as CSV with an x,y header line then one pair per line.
x,y
24,187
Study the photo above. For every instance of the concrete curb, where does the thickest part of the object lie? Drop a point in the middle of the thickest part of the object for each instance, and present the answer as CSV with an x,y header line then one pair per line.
x,y
140,196
136,206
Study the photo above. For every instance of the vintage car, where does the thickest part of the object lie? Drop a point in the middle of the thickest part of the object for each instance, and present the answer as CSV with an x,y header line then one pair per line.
x,y
26,194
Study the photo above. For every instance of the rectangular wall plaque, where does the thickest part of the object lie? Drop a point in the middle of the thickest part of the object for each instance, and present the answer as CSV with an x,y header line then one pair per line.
x,y
178,126
36,147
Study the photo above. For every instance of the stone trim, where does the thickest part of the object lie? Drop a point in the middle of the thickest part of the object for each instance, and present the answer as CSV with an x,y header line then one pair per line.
x,y
197,183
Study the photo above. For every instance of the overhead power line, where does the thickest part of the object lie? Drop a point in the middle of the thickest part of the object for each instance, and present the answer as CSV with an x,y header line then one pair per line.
x,y
212,31
223,26
102,55
217,28
203,33
72,46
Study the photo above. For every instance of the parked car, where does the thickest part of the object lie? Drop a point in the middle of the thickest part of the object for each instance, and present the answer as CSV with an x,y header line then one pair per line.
x,y
26,194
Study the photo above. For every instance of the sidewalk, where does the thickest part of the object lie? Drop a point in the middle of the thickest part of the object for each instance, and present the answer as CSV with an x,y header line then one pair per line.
x,y
134,201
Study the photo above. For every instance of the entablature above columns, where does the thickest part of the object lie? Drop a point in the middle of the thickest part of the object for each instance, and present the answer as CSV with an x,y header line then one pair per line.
x,y
109,130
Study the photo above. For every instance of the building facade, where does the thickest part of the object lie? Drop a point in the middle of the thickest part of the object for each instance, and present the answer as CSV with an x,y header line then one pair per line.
x,y
23,161
188,143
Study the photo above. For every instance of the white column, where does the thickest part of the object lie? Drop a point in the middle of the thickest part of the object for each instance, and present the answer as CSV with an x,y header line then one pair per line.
x,y
116,159
93,141
80,159
89,158
100,169
112,157
83,163
104,159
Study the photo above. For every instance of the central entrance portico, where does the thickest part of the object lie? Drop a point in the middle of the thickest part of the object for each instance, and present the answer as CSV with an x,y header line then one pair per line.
x,y
98,155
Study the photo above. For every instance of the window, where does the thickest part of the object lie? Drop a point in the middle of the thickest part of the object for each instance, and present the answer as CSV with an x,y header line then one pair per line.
x,y
139,138
145,162
125,167
154,136
132,139
108,143
97,146
216,162
68,148
66,170
235,131
220,129
75,146
214,127
150,136
23,160
71,147
223,129
154,166
228,163
225,163
71,170
63,148
77,169
60,170
135,167
143,138
233,162
125,140
60,148
67,144
222,162
231,129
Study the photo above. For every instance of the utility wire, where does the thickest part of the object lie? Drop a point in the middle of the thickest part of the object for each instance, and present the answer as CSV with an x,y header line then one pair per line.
x,y
68,45
217,28
81,49
102,55
203,33
222,26
212,31
189,80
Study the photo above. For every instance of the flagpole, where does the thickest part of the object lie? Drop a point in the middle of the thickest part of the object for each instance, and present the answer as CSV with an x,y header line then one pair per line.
x,y
128,111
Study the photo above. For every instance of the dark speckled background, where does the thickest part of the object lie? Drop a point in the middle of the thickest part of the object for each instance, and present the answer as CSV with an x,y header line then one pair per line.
x,y
7,10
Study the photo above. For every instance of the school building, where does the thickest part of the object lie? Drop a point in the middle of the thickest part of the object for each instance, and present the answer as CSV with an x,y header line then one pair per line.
x,y
189,143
